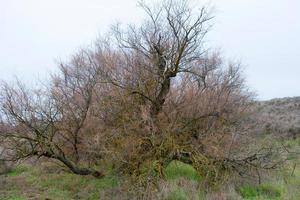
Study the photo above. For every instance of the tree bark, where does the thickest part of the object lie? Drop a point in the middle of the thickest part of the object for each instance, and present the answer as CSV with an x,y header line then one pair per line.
x,y
159,101
73,167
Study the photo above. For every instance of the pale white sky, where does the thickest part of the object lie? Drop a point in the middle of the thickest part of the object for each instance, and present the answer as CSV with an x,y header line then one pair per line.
x,y
263,34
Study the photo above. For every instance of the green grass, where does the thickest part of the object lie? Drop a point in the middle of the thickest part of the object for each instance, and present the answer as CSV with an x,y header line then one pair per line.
x,y
32,182
249,192
291,182
67,185
264,191
181,183
281,186
183,180
292,143
284,183
12,196
17,171
178,169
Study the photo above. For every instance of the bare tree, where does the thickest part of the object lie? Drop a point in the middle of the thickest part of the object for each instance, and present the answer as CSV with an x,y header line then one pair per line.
x,y
148,95
48,123
190,101
169,43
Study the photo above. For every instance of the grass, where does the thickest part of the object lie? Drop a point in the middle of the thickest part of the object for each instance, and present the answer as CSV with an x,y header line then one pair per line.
x,y
178,169
178,195
180,189
283,184
25,183
17,171
11,195
264,191
182,183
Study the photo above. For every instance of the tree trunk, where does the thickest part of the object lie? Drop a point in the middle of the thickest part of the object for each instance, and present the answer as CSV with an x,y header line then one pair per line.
x,y
159,101
73,167
80,170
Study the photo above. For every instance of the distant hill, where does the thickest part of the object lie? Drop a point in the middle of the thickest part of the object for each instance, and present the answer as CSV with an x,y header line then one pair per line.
x,y
279,116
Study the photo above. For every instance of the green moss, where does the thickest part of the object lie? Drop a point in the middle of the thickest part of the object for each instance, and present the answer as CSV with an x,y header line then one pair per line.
x,y
178,169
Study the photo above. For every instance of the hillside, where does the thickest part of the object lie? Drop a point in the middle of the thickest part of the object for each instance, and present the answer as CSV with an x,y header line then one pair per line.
x,y
279,116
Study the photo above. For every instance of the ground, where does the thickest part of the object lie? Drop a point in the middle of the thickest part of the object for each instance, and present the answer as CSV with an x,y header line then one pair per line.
x,y
182,182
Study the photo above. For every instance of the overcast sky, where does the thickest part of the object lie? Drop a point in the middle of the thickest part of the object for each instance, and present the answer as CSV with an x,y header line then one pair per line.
x,y
263,34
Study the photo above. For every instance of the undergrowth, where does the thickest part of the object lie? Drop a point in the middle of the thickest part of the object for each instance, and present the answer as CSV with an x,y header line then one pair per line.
x,y
182,182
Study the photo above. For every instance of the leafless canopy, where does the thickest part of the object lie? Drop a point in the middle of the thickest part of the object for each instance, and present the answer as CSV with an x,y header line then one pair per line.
x,y
170,42
147,94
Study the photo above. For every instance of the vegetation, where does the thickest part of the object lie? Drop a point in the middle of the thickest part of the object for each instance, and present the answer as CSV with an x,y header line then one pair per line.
x,y
178,169
24,183
147,113
50,181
